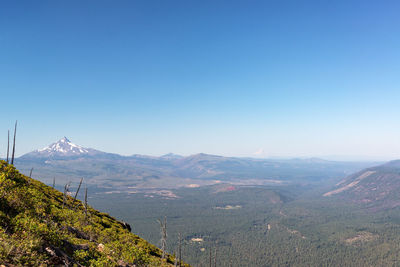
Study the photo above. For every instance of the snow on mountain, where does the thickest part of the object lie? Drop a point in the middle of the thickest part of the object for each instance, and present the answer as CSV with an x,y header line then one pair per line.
x,y
63,148
171,156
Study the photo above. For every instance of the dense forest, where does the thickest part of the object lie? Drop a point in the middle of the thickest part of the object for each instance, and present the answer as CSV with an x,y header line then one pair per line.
x,y
262,226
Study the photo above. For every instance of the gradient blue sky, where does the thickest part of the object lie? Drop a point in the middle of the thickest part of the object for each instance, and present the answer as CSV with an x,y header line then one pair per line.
x,y
237,78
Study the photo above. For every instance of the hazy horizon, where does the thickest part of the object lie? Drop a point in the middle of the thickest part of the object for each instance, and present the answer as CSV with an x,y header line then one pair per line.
x,y
256,155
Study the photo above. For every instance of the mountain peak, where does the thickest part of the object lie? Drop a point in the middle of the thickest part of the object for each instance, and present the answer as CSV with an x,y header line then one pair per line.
x,y
62,148
64,140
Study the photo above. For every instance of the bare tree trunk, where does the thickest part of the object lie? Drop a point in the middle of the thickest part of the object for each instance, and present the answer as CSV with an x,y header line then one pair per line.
x,y
86,203
210,258
8,145
13,152
66,190
163,226
180,249
77,191
30,176
215,257
230,258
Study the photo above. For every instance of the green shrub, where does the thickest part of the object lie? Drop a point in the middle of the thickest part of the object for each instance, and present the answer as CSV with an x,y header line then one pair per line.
x,y
33,222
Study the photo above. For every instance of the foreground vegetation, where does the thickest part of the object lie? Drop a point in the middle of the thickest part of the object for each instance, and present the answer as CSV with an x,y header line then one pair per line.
x,y
42,226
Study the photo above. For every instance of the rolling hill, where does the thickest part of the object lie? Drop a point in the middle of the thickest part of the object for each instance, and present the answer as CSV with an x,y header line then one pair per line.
x,y
376,187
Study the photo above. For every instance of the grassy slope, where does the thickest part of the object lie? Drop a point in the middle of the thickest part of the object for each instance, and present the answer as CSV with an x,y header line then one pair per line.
x,y
35,229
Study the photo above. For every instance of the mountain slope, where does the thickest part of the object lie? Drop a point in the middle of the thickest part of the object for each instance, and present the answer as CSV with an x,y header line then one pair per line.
x,y
63,148
39,225
376,187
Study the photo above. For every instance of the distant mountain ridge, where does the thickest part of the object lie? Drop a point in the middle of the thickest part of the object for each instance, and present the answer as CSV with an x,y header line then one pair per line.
x,y
64,148
67,160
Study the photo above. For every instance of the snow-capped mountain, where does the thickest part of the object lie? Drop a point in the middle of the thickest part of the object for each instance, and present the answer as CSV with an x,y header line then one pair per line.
x,y
62,148
171,156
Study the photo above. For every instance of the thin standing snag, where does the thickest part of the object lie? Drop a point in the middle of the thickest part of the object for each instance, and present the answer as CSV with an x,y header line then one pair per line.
x,y
230,258
180,249
215,257
210,258
86,203
30,176
163,226
66,190
13,152
77,191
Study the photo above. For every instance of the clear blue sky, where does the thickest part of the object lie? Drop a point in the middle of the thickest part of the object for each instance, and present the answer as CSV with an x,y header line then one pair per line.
x,y
238,78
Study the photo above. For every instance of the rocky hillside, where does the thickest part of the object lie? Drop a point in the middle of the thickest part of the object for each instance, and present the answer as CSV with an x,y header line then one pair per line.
x,y
41,226
376,187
